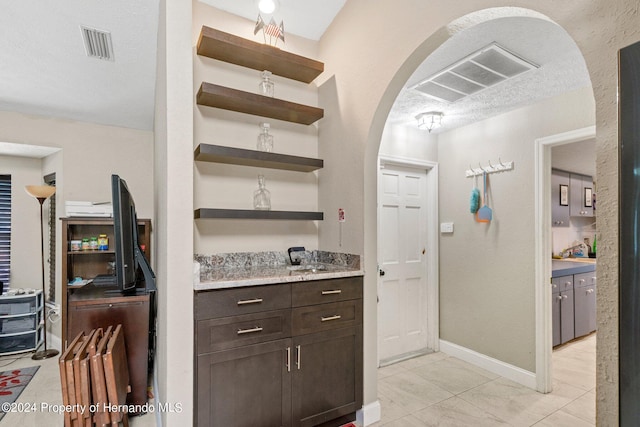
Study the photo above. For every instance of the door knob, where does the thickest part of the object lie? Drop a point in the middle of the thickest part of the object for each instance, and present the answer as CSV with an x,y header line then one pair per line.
x,y
382,273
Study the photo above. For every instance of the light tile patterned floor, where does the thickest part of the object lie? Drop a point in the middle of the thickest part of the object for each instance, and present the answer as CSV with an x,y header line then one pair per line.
x,y
438,390
431,390
43,393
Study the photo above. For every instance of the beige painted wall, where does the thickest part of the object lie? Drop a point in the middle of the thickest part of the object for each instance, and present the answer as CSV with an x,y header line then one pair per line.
x,y
173,160
89,154
25,221
409,142
487,283
363,78
230,186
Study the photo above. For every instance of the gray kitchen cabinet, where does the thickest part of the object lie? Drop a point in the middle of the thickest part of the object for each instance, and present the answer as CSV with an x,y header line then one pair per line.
x,y
584,303
559,198
563,309
581,195
279,355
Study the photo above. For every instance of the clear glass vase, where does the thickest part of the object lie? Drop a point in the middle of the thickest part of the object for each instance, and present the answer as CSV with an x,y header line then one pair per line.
x,y
262,196
265,140
266,85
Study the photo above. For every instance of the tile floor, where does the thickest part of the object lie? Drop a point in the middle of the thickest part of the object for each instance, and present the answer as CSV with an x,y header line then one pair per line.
x,y
431,390
43,393
439,390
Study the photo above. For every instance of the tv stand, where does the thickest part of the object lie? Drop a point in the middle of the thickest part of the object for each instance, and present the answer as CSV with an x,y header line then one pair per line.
x,y
93,307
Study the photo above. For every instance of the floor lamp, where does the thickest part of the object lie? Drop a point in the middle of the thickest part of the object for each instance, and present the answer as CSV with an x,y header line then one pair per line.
x,y
42,193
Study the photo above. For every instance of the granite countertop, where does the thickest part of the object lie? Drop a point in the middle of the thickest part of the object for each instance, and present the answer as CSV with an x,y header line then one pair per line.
x,y
252,269
569,266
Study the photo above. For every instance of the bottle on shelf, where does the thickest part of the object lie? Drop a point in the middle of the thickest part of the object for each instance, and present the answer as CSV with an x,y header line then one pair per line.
x,y
262,196
265,140
266,85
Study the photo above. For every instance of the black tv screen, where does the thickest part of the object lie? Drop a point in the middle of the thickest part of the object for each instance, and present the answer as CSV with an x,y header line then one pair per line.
x,y
125,234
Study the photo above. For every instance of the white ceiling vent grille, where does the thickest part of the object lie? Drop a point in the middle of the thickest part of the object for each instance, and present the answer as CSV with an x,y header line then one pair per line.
x,y
97,43
480,70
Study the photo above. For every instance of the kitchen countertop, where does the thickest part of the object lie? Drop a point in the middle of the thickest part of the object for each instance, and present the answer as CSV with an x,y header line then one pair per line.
x,y
266,275
569,266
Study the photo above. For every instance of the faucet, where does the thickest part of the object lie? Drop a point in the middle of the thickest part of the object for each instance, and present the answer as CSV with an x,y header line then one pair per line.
x,y
295,259
567,252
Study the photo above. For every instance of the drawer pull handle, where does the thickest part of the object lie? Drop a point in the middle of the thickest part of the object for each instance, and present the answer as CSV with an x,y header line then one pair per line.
x,y
250,301
333,292
248,331
326,319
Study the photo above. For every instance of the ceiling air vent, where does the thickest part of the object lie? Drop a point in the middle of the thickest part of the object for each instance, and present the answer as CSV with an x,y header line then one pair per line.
x,y
97,43
480,70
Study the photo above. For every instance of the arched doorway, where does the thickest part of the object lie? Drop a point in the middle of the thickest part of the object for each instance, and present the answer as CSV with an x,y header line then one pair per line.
x,y
480,249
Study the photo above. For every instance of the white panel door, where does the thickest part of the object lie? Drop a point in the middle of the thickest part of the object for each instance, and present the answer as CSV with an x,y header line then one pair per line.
x,y
402,317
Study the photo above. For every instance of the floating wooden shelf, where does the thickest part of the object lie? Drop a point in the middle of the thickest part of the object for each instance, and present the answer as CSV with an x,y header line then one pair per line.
x,y
236,50
256,214
226,98
239,156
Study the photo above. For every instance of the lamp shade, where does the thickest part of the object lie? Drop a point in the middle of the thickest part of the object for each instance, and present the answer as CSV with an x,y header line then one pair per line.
x,y
40,191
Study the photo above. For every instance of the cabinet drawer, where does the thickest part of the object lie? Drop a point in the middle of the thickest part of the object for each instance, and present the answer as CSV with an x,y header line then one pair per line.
x,y
323,291
584,279
236,301
322,317
562,283
229,332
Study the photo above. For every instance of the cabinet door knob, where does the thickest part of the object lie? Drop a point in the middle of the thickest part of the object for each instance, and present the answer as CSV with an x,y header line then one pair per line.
x,y
564,296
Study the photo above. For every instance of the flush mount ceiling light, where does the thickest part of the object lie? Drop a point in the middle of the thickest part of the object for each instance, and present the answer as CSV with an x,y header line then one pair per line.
x,y
268,6
430,120
478,71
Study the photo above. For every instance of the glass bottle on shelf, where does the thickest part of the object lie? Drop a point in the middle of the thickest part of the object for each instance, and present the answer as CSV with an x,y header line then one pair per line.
x,y
265,140
266,85
262,196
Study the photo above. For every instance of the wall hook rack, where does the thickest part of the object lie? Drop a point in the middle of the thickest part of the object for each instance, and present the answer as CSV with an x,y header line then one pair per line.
x,y
500,167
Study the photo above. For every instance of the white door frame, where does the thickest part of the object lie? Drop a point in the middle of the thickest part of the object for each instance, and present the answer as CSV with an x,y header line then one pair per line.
x,y
544,332
431,169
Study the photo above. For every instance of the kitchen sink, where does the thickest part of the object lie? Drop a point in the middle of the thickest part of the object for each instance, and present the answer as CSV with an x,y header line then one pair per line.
x,y
307,268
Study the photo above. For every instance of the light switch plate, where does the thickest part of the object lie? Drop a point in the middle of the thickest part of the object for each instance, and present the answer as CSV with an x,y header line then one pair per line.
x,y
446,227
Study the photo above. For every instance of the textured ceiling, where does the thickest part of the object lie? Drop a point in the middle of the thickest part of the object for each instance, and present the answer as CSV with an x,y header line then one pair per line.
x,y
44,69
305,18
562,69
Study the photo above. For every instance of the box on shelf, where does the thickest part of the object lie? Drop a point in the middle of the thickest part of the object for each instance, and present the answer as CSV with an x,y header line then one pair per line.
x,y
91,209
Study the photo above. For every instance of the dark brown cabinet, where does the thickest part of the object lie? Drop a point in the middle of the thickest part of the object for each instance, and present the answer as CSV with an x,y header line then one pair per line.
x,y
279,355
91,308
89,263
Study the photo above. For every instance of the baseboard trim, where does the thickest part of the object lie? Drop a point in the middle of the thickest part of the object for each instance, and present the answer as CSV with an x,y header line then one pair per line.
x,y
369,414
54,341
498,367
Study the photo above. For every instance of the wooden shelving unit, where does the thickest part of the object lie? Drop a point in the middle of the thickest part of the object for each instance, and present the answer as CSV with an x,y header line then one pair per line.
x,y
212,95
236,50
239,156
246,53
256,214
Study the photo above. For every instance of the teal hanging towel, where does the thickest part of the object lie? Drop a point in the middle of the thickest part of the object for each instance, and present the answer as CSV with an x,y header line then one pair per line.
x,y
475,197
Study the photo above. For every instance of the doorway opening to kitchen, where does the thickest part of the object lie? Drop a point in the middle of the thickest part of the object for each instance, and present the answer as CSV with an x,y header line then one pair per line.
x,y
407,253
566,226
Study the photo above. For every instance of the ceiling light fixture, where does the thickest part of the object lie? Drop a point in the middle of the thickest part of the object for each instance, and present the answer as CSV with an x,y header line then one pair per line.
x,y
429,120
268,6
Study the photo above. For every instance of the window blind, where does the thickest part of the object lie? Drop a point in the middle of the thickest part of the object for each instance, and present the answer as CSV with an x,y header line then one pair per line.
x,y
5,230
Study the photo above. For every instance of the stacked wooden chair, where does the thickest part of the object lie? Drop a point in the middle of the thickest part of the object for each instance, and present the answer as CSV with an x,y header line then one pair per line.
x,y
95,379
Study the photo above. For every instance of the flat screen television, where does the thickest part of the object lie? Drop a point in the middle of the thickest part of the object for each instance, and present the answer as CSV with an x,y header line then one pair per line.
x,y
129,257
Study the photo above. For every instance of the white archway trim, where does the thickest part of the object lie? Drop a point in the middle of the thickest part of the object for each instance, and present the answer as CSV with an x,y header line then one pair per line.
x,y
544,346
